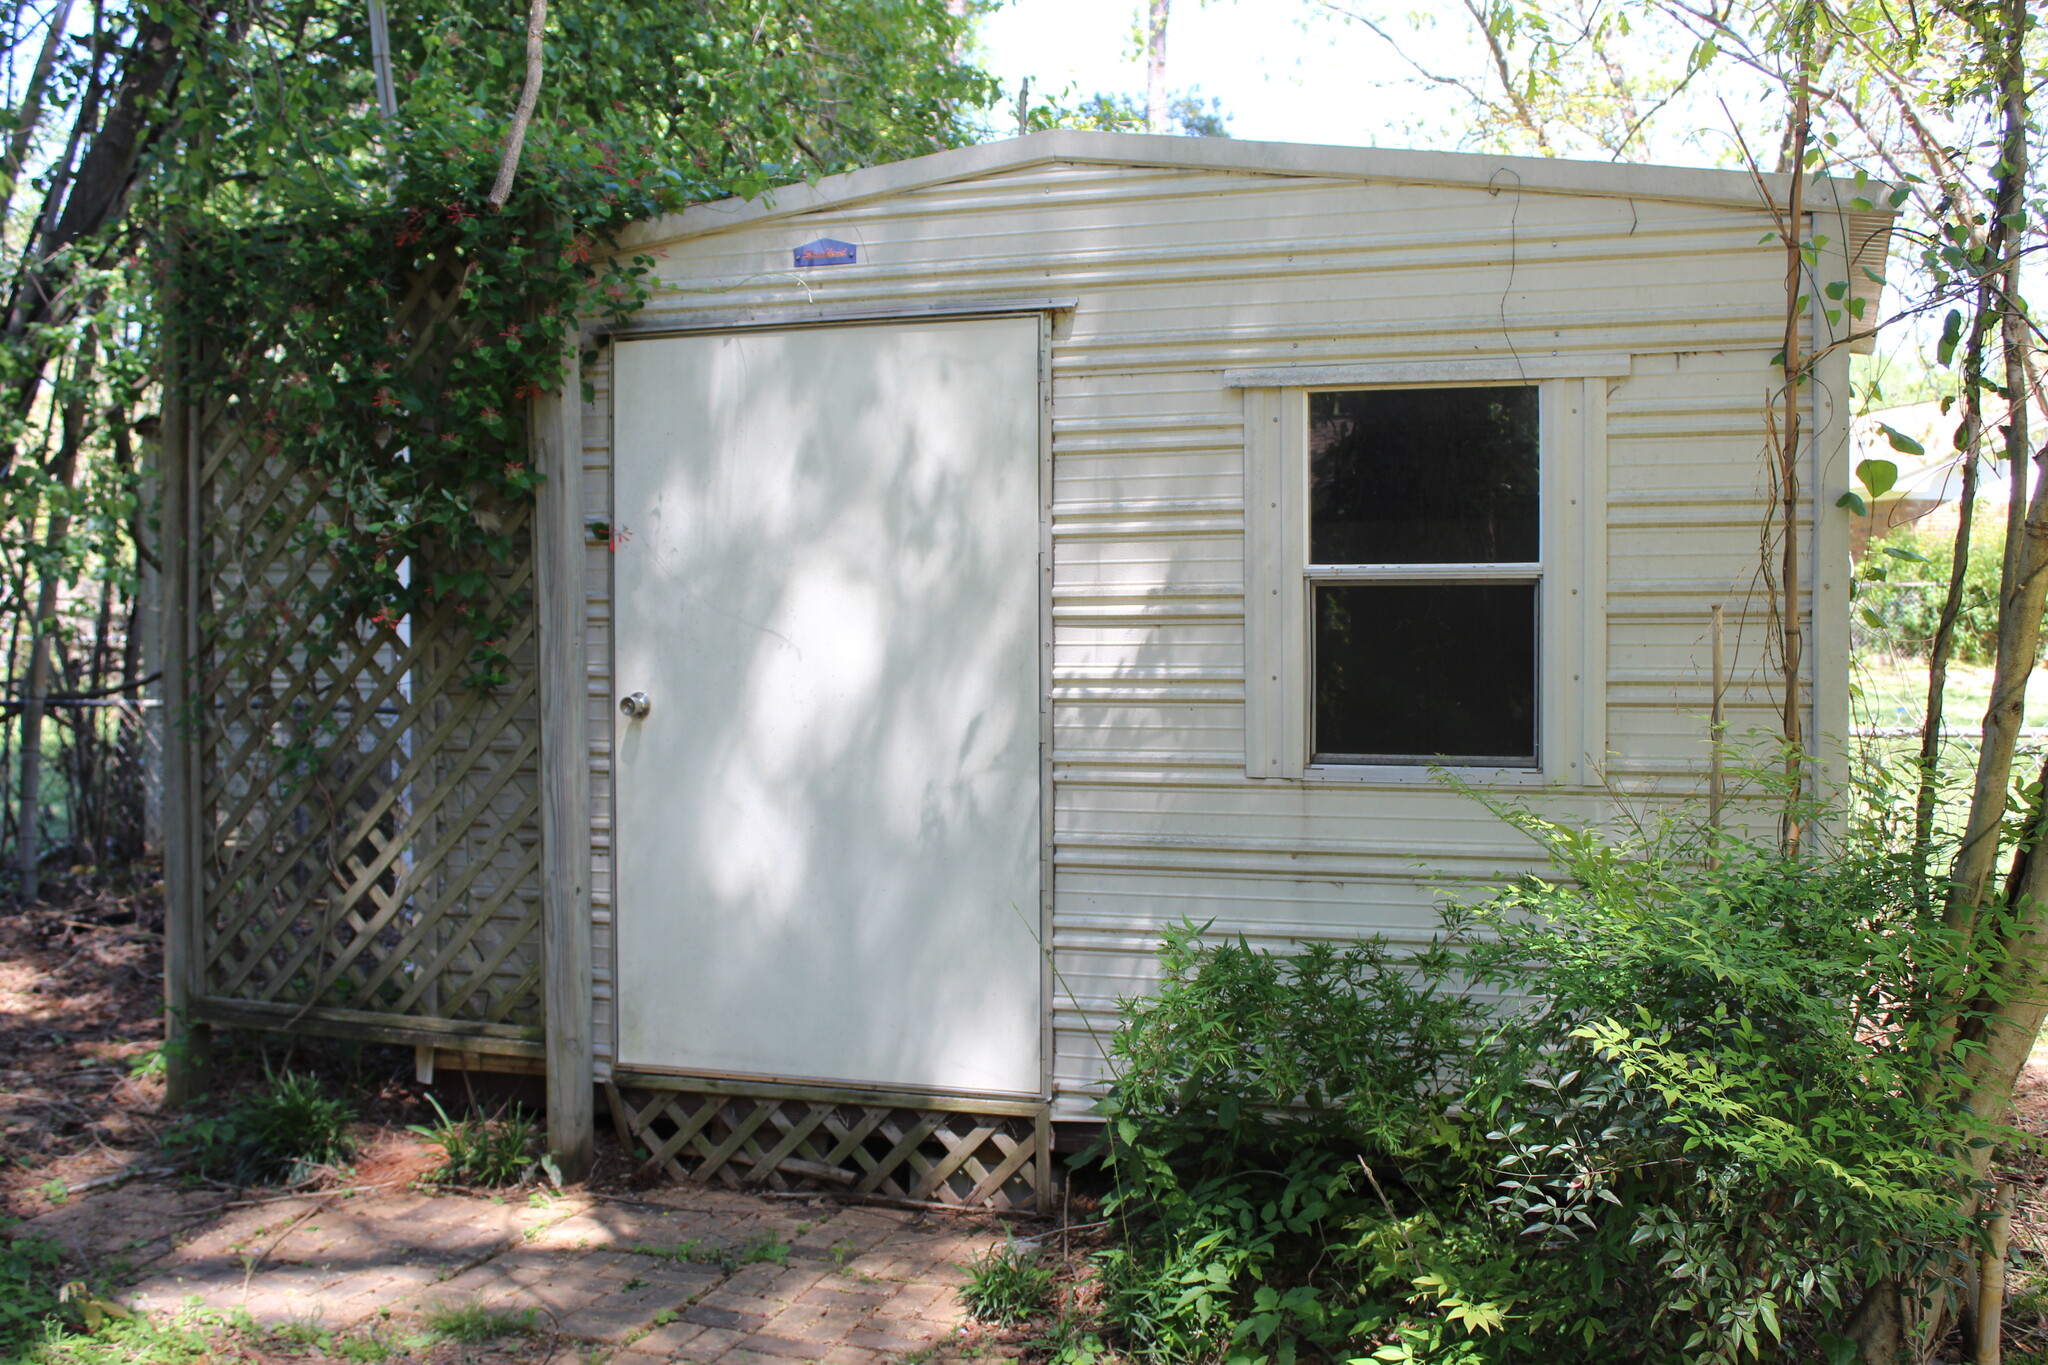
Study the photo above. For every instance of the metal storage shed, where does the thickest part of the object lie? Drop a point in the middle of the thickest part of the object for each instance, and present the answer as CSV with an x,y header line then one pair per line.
x,y
958,576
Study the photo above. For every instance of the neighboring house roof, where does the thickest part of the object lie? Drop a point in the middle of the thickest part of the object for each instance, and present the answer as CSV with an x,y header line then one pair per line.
x,y
1937,475
1864,229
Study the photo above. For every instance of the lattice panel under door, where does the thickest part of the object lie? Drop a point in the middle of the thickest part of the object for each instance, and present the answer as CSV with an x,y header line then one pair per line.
x,y
944,1156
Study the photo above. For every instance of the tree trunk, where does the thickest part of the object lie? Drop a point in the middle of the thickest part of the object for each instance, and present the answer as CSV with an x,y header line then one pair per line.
x,y
1156,115
1924,797
2022,585
28,848
31,111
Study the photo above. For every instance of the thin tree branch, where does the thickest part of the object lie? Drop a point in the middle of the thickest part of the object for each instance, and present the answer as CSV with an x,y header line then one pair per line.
x,y
529,94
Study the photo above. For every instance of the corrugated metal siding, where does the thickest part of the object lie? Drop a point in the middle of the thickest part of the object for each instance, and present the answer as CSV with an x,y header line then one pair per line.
x,y
1178,275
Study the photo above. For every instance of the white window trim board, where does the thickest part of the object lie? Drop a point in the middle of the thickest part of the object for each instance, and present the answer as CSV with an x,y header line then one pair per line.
x,y
1571,645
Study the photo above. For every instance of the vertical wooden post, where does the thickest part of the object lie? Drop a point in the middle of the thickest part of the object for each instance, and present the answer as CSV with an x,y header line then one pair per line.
x,y
187,1043
565,776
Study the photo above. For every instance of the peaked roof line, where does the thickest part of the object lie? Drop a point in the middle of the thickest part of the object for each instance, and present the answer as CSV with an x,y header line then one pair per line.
x,y
1531,175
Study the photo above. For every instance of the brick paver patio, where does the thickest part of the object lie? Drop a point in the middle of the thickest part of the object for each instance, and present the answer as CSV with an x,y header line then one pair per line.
x,y
670,1275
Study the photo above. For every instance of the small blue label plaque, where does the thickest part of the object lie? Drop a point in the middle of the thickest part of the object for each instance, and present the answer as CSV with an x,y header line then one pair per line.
x,y
826,251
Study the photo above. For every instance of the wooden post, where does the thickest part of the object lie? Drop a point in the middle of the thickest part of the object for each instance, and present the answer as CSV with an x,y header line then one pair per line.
x,y
565,776
187,1043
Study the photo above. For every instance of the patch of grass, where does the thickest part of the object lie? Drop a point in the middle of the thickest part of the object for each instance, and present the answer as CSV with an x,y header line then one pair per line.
x,y
285,1132
473,1324
693,1252
361,1348
1007,1284
766,1249
302,1332
479,1150
183,1340
366,1349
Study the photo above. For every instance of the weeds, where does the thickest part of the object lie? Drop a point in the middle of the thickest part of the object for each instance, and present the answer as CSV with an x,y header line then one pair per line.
x,y
183,1340
285,1133
481,1151
766,1249
1007,1284
473,1324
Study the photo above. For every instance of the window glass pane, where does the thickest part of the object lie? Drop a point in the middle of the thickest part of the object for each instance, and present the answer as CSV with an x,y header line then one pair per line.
x,y
1416,671
1423,476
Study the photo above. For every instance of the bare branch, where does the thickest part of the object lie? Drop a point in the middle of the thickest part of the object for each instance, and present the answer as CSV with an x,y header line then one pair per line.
x,y
529,94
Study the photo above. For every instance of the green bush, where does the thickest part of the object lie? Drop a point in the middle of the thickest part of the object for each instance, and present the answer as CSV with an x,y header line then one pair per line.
x,y
1715,1119
28,1290
284,1133
1903,580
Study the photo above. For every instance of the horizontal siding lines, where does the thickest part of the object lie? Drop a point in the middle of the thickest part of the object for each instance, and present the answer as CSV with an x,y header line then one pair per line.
x,y
1282,859
1160,524
1670,495
1368,338
1163,691
1089,607
1212,299
1309,215
1268,242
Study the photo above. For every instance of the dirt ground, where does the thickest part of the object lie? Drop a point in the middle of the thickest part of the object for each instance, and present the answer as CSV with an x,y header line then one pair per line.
x,y
82,1164
81,1016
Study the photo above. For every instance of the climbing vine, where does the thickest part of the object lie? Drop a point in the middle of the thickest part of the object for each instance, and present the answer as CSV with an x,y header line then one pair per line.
x,y
393,352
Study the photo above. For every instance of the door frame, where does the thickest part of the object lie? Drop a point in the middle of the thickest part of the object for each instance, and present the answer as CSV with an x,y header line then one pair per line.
x,y
1044,310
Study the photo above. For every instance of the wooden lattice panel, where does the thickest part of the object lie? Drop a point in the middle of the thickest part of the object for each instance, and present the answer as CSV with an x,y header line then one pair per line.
x,y
784,1142
370,834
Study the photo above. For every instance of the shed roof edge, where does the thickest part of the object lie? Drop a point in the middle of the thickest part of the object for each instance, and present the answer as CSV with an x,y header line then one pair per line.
x,y
1540,175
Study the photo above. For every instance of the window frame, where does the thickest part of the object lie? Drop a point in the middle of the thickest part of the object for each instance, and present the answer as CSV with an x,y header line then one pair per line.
x,y
1280,581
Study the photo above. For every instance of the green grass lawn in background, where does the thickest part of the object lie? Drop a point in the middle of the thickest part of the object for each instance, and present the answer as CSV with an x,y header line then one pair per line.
x,y
1894,693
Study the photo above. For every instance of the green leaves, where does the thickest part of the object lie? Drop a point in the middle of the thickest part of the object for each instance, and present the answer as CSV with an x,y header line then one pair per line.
x,y
1951,335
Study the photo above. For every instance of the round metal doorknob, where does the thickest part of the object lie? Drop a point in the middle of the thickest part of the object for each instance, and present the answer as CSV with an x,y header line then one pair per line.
x,y
636,705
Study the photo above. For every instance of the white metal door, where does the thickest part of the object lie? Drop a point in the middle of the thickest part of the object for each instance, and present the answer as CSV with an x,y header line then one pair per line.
x,y
828,822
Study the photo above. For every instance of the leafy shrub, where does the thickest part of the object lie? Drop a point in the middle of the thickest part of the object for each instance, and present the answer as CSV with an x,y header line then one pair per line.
x,y
1903,581
283,1133
28,1290
1007,1284
476,1150
1712,1120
